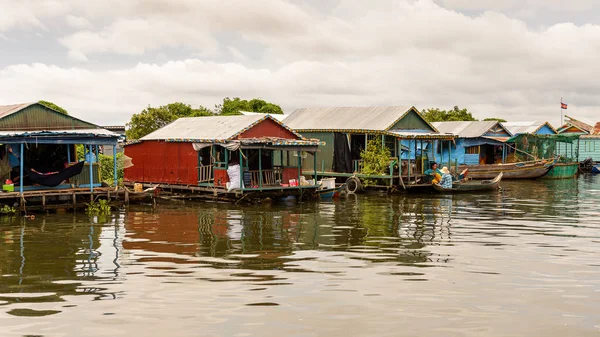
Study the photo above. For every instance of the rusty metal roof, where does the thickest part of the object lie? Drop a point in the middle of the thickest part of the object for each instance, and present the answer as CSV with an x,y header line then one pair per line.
x,y
346,118
6,110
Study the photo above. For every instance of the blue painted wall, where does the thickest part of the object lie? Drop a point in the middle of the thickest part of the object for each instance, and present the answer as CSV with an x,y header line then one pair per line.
x,y
545,130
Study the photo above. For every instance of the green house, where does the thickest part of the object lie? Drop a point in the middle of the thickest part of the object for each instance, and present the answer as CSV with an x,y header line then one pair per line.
x,y
347,130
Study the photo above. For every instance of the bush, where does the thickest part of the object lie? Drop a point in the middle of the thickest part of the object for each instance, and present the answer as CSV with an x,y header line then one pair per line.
x,y
376,160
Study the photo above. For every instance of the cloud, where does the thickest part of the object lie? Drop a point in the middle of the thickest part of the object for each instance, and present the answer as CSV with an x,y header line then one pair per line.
x,y
389,52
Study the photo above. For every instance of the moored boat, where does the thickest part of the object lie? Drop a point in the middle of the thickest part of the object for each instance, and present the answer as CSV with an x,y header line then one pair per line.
x,y
563,171
520,170
330,193
472,185
596,169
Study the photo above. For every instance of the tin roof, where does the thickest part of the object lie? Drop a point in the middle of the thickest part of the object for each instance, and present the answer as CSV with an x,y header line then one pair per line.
x,y
418,135
78,132
210,128
6,110
466,129
346,118
526,127
579,124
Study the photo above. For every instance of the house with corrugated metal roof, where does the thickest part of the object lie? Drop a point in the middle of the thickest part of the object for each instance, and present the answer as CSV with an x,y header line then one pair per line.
x,y
38,149
534,128
196,154
347,130
477,142
589,142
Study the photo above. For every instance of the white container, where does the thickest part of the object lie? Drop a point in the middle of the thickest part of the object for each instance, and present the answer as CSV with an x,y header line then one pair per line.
x,y
328,183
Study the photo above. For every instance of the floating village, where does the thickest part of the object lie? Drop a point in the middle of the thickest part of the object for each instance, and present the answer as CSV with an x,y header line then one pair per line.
x,y
51,160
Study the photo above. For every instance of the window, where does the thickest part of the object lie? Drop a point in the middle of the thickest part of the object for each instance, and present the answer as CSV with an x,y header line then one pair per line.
x,y
472,150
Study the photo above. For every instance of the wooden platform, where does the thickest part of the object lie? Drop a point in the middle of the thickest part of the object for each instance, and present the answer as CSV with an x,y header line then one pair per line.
x,y
71,198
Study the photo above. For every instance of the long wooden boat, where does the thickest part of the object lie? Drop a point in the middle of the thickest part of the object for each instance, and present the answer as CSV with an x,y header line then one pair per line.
x,y
563,171
472,185
521,170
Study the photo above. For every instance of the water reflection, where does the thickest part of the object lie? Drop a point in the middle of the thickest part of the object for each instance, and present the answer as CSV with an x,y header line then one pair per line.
x,y
216,261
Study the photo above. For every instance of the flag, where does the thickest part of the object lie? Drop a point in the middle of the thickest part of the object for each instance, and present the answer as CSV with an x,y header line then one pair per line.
x,y
563,105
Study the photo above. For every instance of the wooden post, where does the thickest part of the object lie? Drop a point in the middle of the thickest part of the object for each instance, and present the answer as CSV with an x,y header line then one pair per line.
x,y
260,172
91,168
299,165
115,165
315,165
409,166
22,154
126,196
241,169
449,154
68,153
226,159
74,197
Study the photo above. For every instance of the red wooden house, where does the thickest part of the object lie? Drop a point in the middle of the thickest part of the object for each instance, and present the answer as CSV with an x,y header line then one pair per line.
x,y
197,151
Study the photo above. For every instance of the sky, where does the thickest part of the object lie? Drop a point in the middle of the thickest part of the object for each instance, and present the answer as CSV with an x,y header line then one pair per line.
x,y
105,60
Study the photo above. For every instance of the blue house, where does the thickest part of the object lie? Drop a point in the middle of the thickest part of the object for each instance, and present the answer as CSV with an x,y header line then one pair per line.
x,y
477,142
535,128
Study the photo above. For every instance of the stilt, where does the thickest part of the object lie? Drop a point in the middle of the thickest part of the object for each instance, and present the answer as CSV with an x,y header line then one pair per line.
x,y
74,197
126,197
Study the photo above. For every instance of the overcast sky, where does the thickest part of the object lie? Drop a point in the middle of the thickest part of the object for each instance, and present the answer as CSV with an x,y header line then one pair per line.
x,y
105,60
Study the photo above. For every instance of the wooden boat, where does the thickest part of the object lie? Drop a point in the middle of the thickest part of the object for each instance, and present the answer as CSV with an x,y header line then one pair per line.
x,y
472,185
596,168
329,193
521,170
563,171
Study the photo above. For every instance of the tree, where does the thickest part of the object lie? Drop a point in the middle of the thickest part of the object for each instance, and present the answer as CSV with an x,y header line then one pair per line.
x,y
233,106
53,106
501,120
151,119
455,114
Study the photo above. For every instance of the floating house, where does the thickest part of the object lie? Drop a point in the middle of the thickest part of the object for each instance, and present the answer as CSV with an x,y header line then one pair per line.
x,y
38,154
477,142
589,140
194,154
534,128
412,141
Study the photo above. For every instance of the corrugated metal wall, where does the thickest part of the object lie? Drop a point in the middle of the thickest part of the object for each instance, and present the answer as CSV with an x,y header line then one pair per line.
x,y
161,162
36,117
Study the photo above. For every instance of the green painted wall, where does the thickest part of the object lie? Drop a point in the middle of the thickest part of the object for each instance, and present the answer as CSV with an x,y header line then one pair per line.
x,y
412,121
325,154
589,148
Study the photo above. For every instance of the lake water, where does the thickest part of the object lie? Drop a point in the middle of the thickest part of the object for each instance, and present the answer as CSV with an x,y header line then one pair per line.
x,y
521,262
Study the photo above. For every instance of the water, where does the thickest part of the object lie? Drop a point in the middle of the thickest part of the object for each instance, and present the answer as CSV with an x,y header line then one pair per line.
x,y
522,262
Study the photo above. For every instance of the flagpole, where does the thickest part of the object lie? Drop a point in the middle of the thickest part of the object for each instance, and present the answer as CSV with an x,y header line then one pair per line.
x,y
561,113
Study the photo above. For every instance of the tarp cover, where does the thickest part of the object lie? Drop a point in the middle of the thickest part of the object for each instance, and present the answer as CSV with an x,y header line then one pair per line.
x,y
342,160
232,146
55,179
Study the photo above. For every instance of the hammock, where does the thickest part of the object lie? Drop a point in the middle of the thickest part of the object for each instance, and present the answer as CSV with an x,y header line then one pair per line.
x,y
56,178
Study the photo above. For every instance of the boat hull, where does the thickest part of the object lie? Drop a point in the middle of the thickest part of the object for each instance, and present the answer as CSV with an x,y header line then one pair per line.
x,y
596,169
510,171
472,186
563,171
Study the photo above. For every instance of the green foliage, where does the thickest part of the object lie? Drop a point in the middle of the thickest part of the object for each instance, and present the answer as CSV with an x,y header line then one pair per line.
x,y
107,168
101,207
151,119
7,210
233,106
54,106
501,120
376,159
455,114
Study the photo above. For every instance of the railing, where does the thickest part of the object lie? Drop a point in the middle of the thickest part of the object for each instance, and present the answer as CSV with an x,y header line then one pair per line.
x,y
269,177
205,173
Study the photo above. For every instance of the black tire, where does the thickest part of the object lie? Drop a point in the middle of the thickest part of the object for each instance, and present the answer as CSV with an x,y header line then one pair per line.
x,y
353,185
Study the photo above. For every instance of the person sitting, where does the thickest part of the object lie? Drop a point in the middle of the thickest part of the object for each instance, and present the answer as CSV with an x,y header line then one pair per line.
x,y
433,175
446,181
